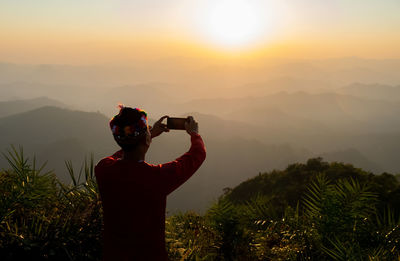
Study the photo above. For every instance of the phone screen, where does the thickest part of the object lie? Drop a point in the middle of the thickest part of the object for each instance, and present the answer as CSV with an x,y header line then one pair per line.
x,y
176,123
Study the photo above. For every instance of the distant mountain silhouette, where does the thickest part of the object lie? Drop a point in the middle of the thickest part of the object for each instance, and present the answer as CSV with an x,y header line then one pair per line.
x,y
76,96
56,134
373,91
17,106
321,123
49,124
352,156
303,111
283,84
152,96
206,78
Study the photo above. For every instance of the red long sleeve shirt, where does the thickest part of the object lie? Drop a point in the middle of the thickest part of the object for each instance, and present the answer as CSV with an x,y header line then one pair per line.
x,y
134,195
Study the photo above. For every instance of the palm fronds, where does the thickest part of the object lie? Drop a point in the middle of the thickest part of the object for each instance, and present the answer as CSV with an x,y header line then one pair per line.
x,y
44,219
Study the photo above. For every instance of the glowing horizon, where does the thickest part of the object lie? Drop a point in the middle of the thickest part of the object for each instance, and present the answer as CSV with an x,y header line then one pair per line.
x,y
80,32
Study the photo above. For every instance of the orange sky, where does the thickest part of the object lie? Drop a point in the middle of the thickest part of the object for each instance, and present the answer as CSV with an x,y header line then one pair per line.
x,y
79,32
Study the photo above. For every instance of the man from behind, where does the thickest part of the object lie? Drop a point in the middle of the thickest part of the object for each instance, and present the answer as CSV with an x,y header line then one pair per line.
x,y
133,192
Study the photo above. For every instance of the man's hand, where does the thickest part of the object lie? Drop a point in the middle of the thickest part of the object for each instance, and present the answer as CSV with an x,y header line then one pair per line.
x,y
159,127
191,126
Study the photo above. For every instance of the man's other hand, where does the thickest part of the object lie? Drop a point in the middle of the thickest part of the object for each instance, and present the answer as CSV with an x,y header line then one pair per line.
x,y
159,127
191,126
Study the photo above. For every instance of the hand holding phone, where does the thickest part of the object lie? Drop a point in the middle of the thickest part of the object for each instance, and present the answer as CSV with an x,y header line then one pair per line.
x,y
191,126
158,127
188,124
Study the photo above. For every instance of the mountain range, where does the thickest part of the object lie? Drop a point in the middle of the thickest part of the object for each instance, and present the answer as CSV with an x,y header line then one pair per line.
x,y
255,116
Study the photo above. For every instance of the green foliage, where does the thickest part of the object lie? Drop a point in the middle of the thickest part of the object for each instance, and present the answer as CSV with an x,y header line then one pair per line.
x,y
225,218
341,207
190,236
344,213
42,219
312,211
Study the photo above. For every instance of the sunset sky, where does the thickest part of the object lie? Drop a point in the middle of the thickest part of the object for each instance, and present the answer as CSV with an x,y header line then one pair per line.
x,y
102,31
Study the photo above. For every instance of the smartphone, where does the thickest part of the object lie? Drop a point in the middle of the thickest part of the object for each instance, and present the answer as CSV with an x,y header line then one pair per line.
x,y
176,123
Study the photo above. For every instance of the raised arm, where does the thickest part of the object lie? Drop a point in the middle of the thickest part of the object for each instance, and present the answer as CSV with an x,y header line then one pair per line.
x,y
175,173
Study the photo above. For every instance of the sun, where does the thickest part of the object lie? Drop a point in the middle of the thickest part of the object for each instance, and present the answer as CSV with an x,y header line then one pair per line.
x,y
231,23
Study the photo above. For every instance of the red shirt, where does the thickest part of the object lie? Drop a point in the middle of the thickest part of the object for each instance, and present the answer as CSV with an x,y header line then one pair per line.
x,y
134,196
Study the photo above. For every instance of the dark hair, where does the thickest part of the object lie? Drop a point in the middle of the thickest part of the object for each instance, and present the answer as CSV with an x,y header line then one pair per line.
x,y
129,127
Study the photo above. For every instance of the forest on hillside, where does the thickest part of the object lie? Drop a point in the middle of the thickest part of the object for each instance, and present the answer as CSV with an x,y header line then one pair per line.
x,y
311,211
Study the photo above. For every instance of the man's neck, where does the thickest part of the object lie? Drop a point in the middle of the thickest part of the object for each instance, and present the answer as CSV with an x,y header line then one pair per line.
x,y
134,155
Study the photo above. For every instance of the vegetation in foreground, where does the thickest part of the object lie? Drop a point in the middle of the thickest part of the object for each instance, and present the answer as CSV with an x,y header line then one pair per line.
x,y
312,211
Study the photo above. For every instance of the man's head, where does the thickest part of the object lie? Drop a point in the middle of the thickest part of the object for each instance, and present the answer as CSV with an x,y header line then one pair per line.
x,y
130,128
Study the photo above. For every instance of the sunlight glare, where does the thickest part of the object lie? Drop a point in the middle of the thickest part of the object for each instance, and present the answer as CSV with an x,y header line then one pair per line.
x,y
232,22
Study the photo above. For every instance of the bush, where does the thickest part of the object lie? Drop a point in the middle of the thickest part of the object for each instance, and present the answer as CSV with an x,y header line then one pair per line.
x,y
313,211
42,219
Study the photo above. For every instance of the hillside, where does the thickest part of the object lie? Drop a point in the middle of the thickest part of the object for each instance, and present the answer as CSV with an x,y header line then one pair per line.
x,y
56,135
286,187
307,111
322,123
372,91
17,106
354,157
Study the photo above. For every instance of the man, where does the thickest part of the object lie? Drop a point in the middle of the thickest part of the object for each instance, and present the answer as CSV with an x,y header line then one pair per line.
x,y
133,192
